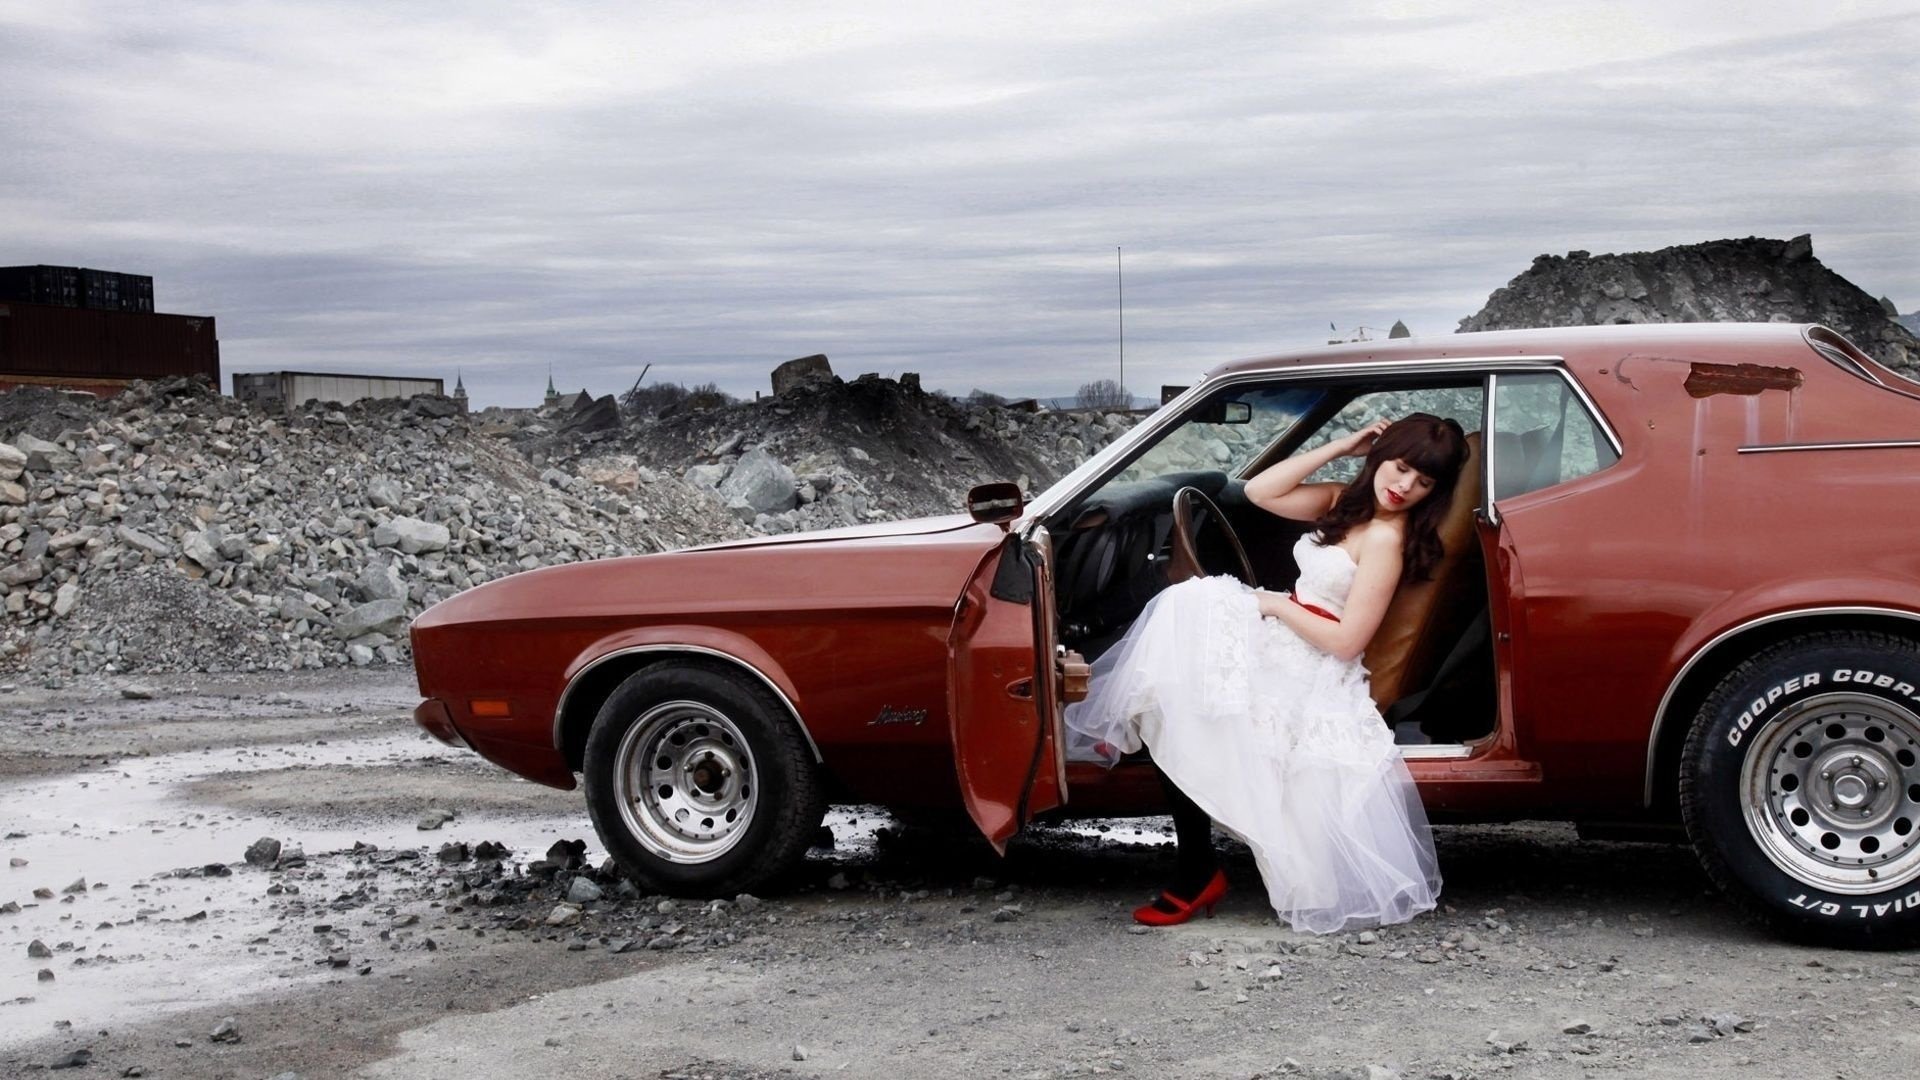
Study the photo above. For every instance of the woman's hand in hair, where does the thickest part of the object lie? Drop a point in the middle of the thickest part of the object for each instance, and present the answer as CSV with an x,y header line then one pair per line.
x,y
1358,443
1281,489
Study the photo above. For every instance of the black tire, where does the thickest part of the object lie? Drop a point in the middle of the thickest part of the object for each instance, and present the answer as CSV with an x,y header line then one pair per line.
x,y
699,782
1800,787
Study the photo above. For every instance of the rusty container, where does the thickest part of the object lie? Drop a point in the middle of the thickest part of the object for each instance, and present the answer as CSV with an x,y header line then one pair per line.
x,y
47,344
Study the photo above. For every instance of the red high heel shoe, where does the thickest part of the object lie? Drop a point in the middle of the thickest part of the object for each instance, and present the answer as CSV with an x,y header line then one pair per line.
x,y
1209,895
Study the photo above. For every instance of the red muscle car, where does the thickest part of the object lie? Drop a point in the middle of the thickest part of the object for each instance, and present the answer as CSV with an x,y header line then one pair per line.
x,y
1682,586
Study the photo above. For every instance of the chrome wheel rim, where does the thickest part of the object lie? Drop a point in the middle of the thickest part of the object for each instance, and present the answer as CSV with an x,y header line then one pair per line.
x,y
686,782
1832,793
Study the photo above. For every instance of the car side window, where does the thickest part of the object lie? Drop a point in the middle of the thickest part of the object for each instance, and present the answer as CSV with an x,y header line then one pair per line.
x,y
1464,404
1543,434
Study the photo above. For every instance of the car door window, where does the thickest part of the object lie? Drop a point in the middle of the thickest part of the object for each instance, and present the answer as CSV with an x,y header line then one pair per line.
x,y
1543,434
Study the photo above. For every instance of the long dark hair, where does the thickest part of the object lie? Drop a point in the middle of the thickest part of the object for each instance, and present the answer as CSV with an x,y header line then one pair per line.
x,y
1422,441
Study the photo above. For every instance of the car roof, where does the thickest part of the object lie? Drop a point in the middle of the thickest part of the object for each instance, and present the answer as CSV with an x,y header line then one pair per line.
x,y
1570,342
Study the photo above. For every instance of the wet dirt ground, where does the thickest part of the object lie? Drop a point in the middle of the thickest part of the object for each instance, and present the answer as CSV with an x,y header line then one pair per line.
x,y
136,940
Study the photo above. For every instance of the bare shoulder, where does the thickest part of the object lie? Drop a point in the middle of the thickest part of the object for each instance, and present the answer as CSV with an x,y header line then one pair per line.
x,y
1388,533
1383,540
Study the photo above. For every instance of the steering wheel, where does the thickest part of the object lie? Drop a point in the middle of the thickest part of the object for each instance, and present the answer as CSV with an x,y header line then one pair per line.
x,y
1194,513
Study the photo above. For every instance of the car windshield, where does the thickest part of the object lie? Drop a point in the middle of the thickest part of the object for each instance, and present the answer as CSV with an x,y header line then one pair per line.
x,y
1224,431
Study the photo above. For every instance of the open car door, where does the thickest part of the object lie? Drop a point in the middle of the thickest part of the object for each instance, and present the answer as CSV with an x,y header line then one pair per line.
x,y
1005,688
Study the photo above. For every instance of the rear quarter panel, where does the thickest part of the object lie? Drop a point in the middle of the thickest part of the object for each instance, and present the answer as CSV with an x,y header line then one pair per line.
x,y
1623,575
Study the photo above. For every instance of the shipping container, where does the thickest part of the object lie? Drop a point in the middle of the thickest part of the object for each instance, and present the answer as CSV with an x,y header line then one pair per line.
x,y
59,285
81,346
291,389
75,286
105,290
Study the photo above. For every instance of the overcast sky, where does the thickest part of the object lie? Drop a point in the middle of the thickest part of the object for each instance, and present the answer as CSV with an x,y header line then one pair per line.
x,y
715,188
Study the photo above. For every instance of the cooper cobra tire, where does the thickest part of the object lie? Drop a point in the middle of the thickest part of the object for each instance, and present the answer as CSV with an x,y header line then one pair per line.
x,y
699,782
1800,787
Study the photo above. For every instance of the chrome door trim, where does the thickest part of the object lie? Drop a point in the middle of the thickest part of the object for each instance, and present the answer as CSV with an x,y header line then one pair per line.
x,y
1487,441
1779,448
1436,752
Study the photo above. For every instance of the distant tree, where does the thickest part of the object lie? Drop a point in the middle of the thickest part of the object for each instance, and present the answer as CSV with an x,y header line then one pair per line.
x,y
654,399
982,397
1103,394
665,397
708,395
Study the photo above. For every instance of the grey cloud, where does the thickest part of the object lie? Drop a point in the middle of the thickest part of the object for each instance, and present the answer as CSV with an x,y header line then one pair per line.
x,y
1263,181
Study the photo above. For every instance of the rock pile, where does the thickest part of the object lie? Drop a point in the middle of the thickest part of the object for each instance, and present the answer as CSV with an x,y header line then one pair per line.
x,y
172,529
829,453
1750,280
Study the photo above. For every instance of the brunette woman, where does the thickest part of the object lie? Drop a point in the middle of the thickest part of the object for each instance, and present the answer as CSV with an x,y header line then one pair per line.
x,y
1255,704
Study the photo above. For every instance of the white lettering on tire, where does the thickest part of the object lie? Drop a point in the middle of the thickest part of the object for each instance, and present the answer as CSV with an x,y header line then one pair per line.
x,y
1758,709
1878,682
1909,902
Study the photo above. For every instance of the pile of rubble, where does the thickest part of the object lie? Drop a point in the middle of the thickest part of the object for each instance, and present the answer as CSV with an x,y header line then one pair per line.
x,y
172,529
829,453
1750,280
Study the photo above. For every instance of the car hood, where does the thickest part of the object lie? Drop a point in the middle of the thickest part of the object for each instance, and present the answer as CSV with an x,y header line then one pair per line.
x,y
912,563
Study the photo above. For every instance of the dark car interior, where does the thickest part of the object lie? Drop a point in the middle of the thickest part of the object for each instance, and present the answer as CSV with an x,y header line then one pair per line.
x,y
1430,663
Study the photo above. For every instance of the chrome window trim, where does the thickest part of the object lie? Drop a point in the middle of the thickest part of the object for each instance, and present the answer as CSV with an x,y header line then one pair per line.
x,y
1487,442
1593,413
1099,467
1781,448
1831,345
560,710
1833,354
1673,686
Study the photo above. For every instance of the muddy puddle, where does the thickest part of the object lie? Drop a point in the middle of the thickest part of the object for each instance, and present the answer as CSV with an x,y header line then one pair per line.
x,y
146,904
153,907
133,877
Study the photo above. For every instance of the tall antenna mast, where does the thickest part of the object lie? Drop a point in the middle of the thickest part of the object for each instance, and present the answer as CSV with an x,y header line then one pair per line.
x,y
1120,285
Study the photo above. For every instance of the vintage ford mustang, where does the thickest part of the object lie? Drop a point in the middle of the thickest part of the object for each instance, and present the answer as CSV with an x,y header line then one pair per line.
x,y
1682,586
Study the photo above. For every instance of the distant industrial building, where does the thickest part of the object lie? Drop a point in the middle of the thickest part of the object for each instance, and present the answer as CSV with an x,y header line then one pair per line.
x,y
95,330
286,390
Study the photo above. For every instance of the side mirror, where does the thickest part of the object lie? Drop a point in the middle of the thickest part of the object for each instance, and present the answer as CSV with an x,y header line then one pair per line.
x,y
995,504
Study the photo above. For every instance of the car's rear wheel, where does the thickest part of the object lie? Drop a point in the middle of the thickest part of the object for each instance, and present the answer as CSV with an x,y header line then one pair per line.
x,y
1800,786
699,783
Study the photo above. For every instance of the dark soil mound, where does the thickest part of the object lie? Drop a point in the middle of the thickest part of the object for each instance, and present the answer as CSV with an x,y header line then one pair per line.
x,y
1750,280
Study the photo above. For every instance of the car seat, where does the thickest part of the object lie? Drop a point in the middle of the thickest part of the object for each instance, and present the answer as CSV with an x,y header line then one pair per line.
x,y
1426,618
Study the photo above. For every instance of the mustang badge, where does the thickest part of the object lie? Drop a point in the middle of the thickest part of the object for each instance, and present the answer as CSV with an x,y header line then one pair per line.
x,y
890,715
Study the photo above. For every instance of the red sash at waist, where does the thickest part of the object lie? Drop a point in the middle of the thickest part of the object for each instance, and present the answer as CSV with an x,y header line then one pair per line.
x,y
1315,608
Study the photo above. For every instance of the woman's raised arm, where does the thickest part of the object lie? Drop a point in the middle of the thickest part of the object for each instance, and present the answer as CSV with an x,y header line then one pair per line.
x,y
1279,488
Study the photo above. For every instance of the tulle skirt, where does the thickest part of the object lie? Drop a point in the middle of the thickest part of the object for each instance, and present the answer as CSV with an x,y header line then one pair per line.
x,y
1279,742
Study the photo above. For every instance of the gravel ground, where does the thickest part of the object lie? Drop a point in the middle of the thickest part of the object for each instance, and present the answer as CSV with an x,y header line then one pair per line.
x,y
371,947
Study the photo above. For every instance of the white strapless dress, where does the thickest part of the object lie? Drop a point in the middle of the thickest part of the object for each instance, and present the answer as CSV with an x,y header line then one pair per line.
x,y
1277,740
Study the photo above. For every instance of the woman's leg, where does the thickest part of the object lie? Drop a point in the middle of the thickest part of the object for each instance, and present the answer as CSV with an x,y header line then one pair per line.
x,y
1195,862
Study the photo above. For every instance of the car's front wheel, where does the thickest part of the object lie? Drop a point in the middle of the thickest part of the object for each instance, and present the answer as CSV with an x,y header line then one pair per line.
x,y
1800,786
699,783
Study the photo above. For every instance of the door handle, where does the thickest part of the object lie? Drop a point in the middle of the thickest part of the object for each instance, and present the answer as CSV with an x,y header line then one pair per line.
x,y
1074,672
